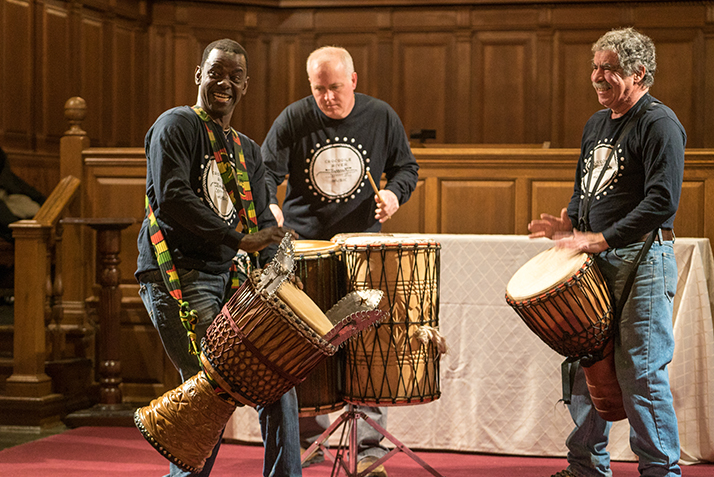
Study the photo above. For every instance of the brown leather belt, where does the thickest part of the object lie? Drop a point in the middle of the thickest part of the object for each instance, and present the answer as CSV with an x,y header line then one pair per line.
x,y
667,234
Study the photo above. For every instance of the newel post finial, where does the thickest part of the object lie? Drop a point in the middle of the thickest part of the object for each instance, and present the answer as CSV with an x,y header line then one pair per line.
x,y
75,110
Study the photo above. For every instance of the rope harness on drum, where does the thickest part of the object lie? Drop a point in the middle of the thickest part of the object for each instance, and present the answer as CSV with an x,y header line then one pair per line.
x,y
237,184
569,368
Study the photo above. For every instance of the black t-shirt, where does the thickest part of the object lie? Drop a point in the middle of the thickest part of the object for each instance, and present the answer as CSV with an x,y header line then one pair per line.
x,y
327,160
641,187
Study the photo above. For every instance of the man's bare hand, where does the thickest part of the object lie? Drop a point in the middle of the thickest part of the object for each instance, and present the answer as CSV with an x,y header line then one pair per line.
x,y
588,242
550,225
261,239
387,206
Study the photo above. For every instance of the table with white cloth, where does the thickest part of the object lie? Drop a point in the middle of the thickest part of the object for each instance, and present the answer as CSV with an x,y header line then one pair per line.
x,y
501,385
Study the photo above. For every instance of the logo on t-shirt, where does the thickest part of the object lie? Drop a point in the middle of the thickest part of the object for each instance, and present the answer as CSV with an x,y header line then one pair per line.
x,y
214,192
337,169
600,154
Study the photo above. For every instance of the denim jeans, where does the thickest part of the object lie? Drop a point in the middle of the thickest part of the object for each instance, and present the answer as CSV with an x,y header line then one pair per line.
x,y
644,345
206,293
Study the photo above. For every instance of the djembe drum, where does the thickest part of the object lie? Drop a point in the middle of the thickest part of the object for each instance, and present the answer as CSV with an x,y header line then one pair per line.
x,y
562,297
397,362
256,349
320,267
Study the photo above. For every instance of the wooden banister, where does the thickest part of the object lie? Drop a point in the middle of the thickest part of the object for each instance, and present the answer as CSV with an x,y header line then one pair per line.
x,y
28,392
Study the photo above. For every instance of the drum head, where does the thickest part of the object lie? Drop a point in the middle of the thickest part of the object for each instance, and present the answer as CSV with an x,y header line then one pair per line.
x,y
379,239
303,306
545,270
309,248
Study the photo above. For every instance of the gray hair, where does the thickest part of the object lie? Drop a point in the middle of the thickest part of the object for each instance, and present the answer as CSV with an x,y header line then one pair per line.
x,y
327,53
633,50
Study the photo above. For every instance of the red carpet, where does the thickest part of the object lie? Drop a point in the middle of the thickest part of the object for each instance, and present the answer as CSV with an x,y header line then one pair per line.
x,y
122,451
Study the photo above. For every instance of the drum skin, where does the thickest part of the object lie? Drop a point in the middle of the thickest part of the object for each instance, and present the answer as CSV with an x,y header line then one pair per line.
x,y
390,364
563,298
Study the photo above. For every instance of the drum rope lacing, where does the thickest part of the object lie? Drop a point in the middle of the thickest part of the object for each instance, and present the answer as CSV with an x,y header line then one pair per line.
x,y
421,294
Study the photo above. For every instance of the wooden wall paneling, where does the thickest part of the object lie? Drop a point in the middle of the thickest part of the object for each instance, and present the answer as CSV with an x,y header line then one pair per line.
x,y
705,113
92,64
123,90
543,95
691,215
678,76
477,206
282,82
364,50
159,71
463,77
55,72
548,197
424,83
250,116
503,108
17,76
574,99
118,186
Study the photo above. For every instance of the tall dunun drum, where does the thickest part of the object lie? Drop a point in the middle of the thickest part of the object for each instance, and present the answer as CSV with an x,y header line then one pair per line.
x,y
320,266
397,362
255,350
563,298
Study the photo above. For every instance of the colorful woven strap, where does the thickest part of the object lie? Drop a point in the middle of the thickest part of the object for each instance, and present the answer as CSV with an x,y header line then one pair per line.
x,y
236,179
189,317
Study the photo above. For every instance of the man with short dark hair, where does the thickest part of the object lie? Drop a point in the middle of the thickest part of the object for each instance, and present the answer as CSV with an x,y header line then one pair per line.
x,y
190,151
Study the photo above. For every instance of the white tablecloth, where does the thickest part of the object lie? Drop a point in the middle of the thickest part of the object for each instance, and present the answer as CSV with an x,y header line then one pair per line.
x,y
501,384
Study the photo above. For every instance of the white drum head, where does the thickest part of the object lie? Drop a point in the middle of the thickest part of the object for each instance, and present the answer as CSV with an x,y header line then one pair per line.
x,y
542,272
310,248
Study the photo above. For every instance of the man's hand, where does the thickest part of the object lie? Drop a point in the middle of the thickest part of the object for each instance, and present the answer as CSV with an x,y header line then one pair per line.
x,y
550,225
275,209
386,206
261,239
583,241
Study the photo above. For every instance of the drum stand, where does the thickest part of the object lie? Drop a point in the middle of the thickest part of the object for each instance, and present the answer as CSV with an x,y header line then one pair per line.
x,y
347,458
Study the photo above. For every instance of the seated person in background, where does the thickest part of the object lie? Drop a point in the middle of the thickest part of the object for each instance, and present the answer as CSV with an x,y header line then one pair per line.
x,y
18,199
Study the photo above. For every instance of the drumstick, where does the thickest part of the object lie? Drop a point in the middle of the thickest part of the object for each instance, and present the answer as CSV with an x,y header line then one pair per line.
x,y
376,191
374,186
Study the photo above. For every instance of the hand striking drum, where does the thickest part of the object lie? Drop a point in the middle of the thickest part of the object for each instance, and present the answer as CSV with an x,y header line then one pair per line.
x,y
562,297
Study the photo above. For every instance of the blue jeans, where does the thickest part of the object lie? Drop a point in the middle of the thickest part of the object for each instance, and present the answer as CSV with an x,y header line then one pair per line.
x,y
644,345
206,293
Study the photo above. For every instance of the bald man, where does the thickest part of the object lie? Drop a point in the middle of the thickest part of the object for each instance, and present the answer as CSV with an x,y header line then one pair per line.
x,y
325,144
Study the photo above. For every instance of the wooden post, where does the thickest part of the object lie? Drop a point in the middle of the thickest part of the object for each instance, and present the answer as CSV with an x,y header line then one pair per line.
x,y
29,400
110,411
74,244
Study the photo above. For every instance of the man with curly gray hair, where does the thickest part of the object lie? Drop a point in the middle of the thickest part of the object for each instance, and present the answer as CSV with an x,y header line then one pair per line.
x,y
627,189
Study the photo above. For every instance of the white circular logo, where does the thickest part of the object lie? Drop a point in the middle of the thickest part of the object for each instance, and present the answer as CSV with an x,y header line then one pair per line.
x,y
601,153
215,193
337,170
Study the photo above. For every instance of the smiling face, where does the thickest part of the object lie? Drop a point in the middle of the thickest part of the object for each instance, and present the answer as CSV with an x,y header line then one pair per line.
x,y
332,87
615,90
222,81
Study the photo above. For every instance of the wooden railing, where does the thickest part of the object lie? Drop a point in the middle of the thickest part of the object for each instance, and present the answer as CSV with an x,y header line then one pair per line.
x,y
29,396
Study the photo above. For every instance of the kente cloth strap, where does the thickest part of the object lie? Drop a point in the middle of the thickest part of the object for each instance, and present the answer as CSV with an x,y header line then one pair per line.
x,y
189,317
236,179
